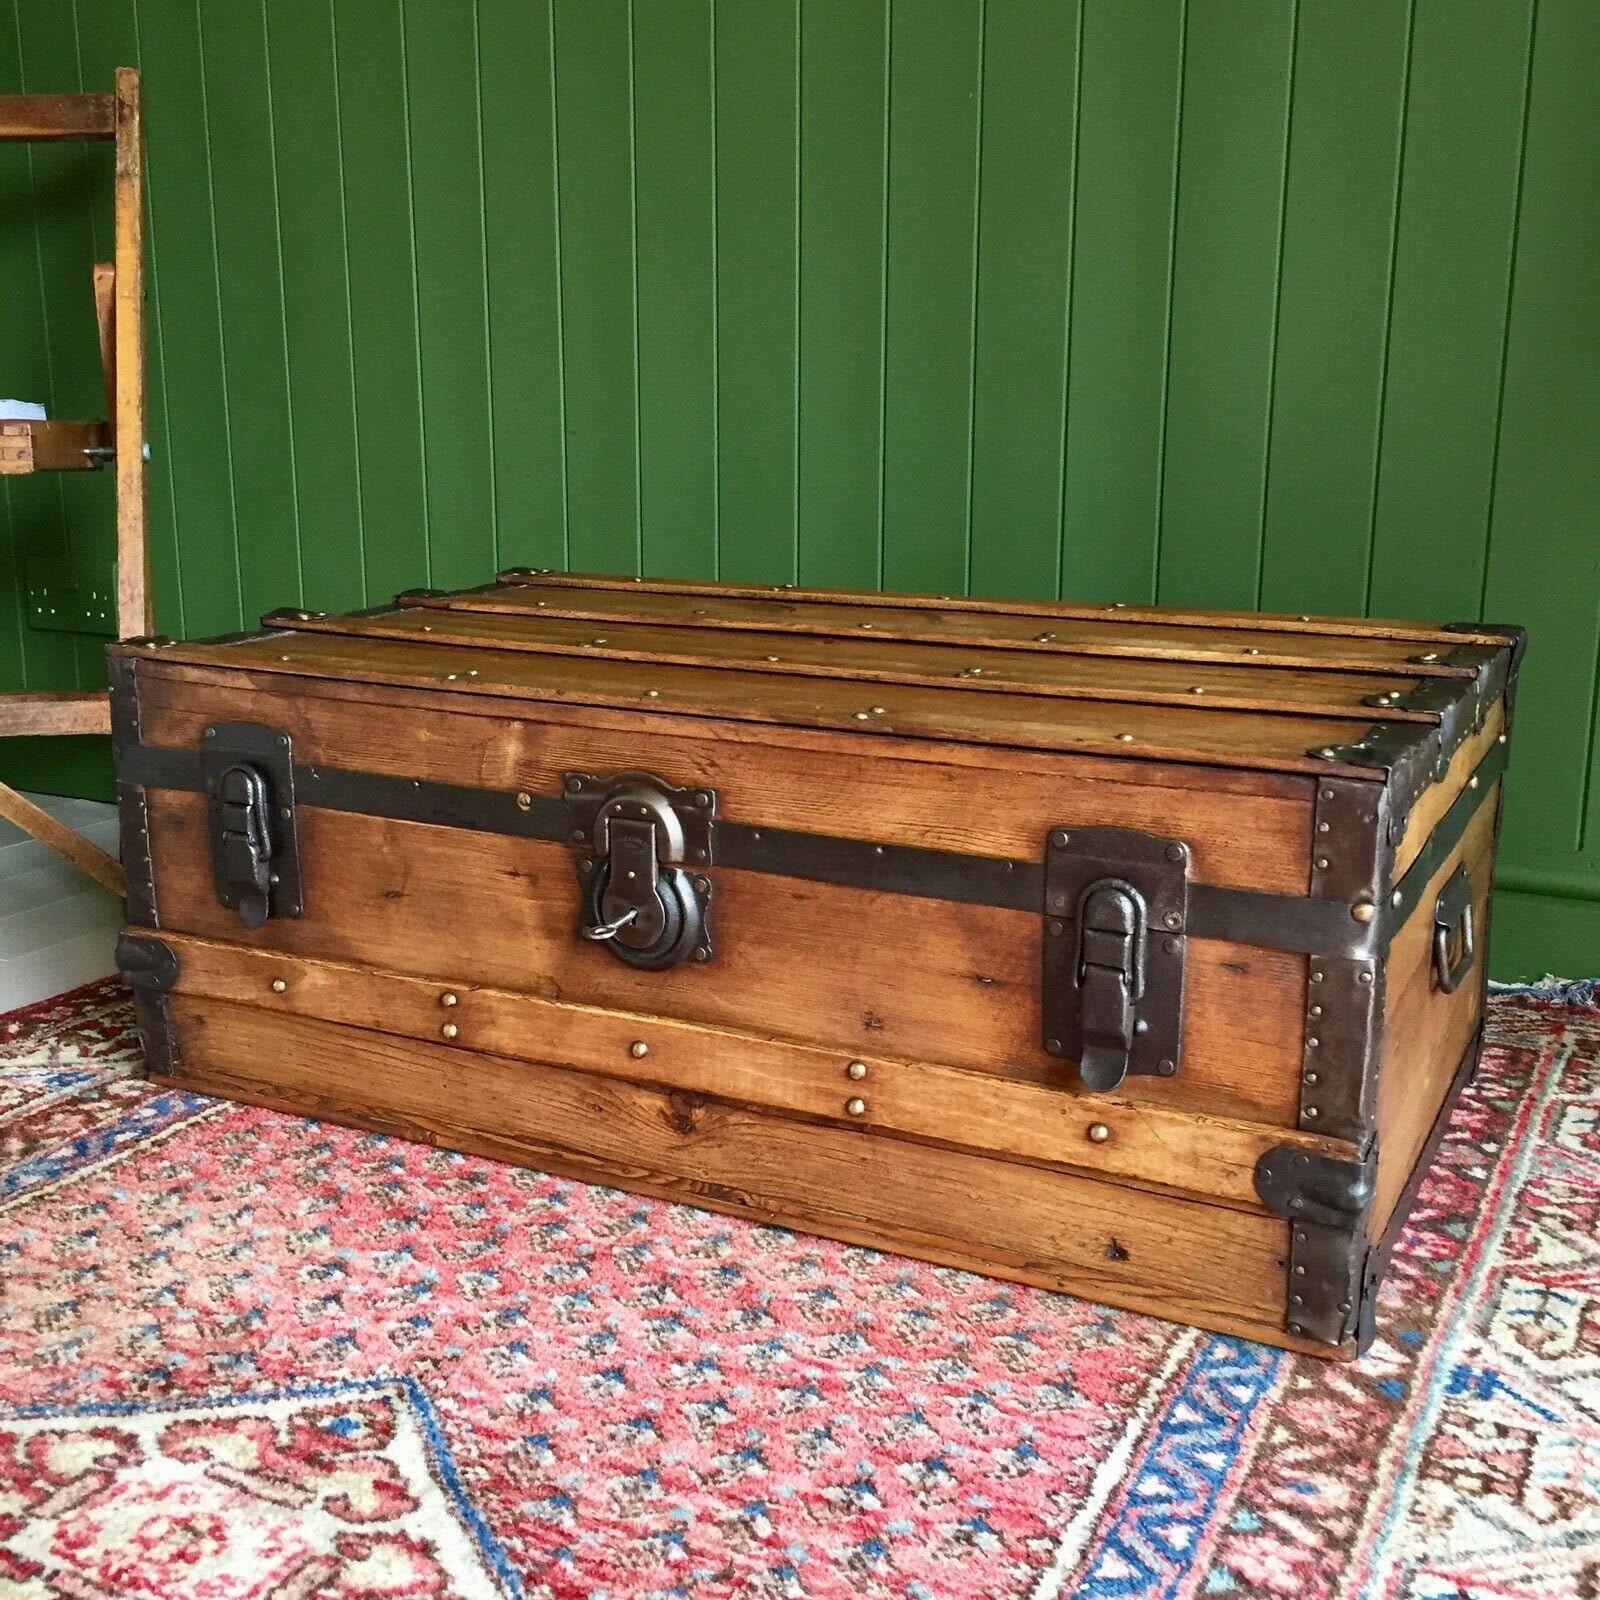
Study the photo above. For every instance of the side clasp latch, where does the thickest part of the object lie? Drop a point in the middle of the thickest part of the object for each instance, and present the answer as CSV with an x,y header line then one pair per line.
x,y
641,849
1116,909
255,847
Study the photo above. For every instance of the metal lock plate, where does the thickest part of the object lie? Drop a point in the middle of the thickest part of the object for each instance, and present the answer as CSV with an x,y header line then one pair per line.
x,y
638,841
255,846
1116,905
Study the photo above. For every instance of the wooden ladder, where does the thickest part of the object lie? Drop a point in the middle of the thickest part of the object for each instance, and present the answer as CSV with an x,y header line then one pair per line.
x,y
54,446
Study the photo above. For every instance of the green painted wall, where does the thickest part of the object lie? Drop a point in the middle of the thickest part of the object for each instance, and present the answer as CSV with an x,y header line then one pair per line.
x,y
1219,302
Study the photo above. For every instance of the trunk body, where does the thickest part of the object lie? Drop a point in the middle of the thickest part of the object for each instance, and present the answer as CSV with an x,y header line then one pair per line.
x,y
1135,954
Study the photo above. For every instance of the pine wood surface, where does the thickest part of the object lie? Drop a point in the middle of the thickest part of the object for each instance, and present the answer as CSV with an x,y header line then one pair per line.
x,y
1425,1029
1035,627
1205,1264
1228,685
849,968
1237,739
1243,830
1057,1124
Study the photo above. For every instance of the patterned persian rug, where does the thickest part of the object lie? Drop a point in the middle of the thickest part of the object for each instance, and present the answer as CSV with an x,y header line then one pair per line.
x,y
244,1356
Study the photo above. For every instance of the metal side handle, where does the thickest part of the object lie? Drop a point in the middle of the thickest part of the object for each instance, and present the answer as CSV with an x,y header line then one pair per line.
x,y
1453,929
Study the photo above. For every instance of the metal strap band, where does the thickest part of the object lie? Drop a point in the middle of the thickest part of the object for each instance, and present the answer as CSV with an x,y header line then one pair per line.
x,y
1298,923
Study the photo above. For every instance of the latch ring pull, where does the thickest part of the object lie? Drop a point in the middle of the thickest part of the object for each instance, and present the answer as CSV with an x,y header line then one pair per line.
x,y
609,930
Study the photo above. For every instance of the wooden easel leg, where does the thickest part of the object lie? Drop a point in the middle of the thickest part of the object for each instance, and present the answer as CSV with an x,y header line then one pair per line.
x,y
86,857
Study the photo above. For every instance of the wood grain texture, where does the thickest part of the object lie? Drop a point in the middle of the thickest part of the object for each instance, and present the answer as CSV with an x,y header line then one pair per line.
x,y
1209,684
851,969
945,619
42,713
1425,1029
1439,797
1199,1263
1243,830
42,117
1150,1146
1169,733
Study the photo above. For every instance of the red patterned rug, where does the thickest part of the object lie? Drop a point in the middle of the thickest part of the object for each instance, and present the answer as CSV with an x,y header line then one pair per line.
x,y
245,1356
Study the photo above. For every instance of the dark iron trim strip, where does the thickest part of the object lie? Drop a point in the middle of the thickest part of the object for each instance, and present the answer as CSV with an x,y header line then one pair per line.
x,y
1303,924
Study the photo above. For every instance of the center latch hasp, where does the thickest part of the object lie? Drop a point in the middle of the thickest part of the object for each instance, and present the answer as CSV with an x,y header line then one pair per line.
x,y
641,849
1116,905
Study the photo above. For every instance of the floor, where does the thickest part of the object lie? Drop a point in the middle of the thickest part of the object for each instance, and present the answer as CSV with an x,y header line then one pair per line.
x,y
57,928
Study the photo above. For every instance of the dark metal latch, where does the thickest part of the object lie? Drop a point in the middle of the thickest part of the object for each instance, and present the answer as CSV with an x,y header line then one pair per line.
x,y
1116,910
255,857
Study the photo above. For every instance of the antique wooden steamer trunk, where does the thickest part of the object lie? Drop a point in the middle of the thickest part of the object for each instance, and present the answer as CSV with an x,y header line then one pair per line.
x,y
1132,953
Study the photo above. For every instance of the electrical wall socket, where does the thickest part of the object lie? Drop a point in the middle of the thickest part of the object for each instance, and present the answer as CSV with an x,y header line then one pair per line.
x,y
71,597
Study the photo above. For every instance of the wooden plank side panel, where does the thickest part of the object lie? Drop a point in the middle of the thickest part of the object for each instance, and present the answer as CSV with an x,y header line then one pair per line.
x,y
1426,1030
1242,831
1202,1264
1149,1145
846,968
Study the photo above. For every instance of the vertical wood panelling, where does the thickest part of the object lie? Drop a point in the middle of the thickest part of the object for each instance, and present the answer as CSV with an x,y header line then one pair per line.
x,y
1338,244
1236,86
843,193
516,63
1544,558
757,53
935,79
1451,277
1226,302
594,131
250,296
442,129
1121,274
673,173
303,96
369,65
1030,73
196,461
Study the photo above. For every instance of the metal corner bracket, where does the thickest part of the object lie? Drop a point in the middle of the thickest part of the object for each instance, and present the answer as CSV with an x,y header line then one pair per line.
x,y
1325,1200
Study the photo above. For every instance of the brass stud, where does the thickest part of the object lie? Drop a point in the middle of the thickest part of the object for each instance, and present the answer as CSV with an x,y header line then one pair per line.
x,y
449,1030
1472,782
857,1070
652,694
879,711
524,800
448,999
857,1107
1125,738
638,1049
863,716
774,658
278,985
1251,650
1198,689
1098,1133
1363,911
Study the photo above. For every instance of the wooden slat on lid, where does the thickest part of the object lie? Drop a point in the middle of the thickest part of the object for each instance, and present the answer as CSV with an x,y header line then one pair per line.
x,y
1060,630
1271,742
1265,621
1208,685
